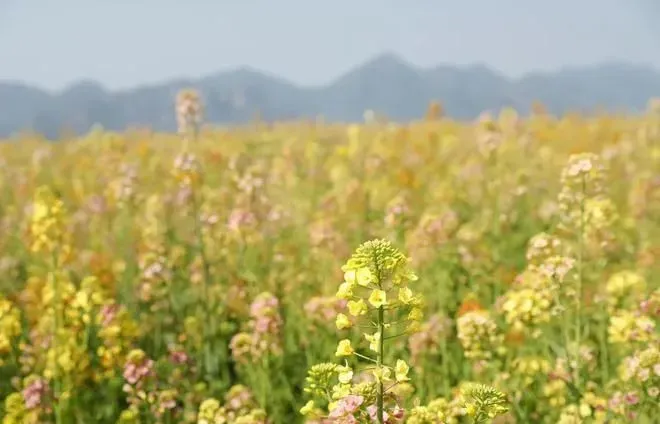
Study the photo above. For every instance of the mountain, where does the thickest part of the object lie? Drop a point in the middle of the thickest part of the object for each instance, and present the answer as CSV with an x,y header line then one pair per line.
x,y
386,84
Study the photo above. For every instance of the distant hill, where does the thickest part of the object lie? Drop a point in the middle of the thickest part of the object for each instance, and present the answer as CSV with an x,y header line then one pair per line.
x,y
385,84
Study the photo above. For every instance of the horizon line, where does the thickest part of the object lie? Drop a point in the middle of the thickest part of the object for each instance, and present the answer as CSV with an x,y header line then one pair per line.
x,y
385,55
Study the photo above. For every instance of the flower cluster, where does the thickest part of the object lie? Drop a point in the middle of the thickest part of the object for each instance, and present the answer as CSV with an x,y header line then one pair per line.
x,y
479,335
527,307
264,336
144,389
239,408
438,410
624,288
586,212
483,403
48,222
626,327
651,305
397,212
117,331
122,190
644,367
30,405
433,230
137,370
583,177
542,247
528,369
155,274
10,327
187,170
188,111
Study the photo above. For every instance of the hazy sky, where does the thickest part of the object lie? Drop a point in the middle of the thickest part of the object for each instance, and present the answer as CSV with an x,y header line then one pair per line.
x,y
122,43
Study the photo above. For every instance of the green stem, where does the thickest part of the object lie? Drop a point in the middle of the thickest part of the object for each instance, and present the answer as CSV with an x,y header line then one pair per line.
x,y
564,328
604,357
209,330
578,305
57,383
381,349
365,357
445,368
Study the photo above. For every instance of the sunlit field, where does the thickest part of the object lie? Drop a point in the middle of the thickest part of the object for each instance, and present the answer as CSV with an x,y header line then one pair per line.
x,y
504,270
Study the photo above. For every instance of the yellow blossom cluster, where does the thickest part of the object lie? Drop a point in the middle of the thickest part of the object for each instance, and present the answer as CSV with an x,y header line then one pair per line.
x,y
239,408
624,287
479,335
627,326
48,222
527,307
529,368
10,326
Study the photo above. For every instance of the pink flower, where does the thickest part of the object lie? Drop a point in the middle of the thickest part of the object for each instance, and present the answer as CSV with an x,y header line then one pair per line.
x,y
615,401
631,398
178,356
108,314
372,410
352,403
134,373
347,406
240,218
34,392
398,413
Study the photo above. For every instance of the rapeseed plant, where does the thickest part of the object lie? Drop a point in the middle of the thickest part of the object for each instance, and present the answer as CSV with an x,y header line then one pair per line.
x,y
379,301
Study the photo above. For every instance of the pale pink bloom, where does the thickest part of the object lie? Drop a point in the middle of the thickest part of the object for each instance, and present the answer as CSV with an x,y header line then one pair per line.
x,y
33,394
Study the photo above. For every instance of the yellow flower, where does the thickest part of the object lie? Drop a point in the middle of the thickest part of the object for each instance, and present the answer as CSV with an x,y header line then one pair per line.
x,y
82,300
308,408
405,295
332,405
378,298
345,291
48,221
364,277
344,348
416,314
470,409
585,410
382,373
357,308
346,375
401,370
374,340
340,390
342,322
350,276
413,327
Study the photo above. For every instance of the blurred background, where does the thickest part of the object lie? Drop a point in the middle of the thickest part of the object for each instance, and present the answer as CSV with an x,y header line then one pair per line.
x,y
76,63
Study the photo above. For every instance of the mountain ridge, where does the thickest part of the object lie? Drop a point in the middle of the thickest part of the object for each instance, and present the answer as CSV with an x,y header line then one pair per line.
x,y
386,84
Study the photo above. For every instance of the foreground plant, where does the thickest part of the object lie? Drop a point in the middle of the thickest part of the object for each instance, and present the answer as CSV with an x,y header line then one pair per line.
x,y
381,304
383,307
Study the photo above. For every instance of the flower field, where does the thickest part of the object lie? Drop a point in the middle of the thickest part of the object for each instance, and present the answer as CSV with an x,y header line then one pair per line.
x,y
504,270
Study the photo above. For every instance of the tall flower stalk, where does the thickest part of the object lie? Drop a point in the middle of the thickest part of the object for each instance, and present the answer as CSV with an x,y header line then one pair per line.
x,y
580,283
382,305
188,172
584,215
49,236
